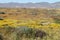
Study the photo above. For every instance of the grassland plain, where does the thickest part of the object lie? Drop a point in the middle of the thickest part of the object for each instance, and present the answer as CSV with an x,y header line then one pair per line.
x,y
29,24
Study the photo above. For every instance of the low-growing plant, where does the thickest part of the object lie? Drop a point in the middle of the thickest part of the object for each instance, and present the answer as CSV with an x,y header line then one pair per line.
x,y
1,18
1,37
57,20
2,12
28,32
40,33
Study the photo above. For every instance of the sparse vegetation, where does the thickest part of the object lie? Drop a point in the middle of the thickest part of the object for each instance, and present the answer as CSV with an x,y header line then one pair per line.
x,y
29,24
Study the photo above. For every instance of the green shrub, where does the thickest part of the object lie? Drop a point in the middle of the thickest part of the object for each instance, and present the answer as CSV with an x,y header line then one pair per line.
x,y
28,32
2,12
1,18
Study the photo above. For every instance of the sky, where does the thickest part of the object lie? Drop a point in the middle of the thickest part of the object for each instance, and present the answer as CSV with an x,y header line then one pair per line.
x,y
26,1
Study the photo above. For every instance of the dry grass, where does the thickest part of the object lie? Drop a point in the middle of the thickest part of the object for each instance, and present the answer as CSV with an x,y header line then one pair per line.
x,y
10,33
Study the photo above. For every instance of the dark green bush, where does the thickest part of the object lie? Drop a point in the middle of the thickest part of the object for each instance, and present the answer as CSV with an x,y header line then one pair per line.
x,y
2,12
1,18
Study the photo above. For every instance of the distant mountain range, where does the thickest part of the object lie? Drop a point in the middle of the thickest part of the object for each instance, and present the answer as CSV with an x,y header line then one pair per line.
x,y
30,5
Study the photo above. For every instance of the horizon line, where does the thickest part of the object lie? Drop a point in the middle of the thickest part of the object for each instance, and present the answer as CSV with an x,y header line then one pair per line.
x,y
27,2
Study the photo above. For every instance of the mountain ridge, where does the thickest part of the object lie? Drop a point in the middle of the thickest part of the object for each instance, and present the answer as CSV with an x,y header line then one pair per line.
x,y
30,5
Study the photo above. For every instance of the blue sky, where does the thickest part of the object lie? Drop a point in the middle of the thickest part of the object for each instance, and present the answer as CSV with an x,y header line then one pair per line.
x,y
25,1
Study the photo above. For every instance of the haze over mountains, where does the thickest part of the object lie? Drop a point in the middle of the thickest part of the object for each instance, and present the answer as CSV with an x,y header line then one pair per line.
x,y
30,5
